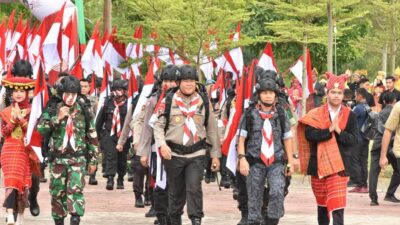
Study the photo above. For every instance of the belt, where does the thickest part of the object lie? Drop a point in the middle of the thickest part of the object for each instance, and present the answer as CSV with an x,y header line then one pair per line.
x,y
184,150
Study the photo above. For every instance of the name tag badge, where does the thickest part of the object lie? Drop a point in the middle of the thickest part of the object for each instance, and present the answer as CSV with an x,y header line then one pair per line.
x,y
220,123
177,119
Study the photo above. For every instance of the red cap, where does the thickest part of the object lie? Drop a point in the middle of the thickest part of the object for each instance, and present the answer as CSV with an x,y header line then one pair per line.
x,y
336,82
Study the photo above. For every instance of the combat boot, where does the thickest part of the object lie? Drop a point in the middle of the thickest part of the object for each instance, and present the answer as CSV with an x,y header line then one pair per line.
x,y
110,183
269,221
92,179
225,181
59,222
162,220
75,220
138,200
196,221
151,212
33,204
120,183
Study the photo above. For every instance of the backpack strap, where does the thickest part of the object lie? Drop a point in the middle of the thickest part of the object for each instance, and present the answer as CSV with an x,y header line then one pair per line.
x,y
168,102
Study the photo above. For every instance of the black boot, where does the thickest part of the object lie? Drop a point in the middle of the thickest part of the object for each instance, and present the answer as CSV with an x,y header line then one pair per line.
x,y
75,220
162,220
110,183
33,204
226,181
271,221
139,200
120,183
176,220
196,221
243,220
151,212
92,179
59,222
130,177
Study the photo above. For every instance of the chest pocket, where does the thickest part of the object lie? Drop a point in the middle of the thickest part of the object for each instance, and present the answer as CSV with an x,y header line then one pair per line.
x,y
199,116
176,117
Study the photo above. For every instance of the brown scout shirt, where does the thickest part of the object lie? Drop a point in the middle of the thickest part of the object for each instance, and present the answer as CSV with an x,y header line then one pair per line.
x,y
175,130
132,123
146,134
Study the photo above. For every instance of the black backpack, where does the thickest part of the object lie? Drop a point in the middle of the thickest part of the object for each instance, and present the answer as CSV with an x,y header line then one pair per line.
x,y
369,127
168,102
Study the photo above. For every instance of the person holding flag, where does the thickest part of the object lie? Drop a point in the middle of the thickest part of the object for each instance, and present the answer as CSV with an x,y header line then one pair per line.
x,y
73,135
326,136
265,144
146,146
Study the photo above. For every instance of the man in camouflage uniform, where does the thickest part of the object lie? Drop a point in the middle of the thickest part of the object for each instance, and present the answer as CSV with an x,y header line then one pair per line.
x,y
72,136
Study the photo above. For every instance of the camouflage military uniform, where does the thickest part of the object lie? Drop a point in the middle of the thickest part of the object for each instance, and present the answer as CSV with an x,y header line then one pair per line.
x,y
68,166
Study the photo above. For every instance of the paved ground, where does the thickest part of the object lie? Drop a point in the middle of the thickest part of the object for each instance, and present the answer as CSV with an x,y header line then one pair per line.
x,y
116,207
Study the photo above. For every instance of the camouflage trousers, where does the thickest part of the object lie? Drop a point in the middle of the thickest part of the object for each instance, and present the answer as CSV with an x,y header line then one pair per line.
x,y
255,182
67,180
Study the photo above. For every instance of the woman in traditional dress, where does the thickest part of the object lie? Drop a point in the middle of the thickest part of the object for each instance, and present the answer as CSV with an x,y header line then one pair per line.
x,y
14,155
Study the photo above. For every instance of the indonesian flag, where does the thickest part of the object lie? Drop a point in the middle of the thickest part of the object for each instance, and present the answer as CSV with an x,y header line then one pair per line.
x,y
232,61
70,42
114,52
14,40
22,44
77,70
250,83
208,64
133,87
10,31
267,60
43,8
135,50
92,61
219,85
229,145
40,99
36,43
148,86
297,70
52,43
2,48
104,90
170,58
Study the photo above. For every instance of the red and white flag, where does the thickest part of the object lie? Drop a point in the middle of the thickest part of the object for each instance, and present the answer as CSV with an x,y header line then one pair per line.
x,y
229,145
91,60
267,60
132,87
147,87
114,53
104,90
40,99
2,48
70,42
297,70
51,47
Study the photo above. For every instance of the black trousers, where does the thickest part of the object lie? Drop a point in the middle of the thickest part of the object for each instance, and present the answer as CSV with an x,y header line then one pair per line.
x,y
242,196
359,162
374,171
139,173
337,216
34,190
160,196
114,162
184,176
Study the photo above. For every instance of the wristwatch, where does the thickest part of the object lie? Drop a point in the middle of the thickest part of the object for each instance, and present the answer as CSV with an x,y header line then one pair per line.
x,y
240,156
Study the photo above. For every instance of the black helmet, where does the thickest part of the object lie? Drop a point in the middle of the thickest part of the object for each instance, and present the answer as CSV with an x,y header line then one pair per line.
x,y
22,68
265,74
187,72
119,84
266,85
169,73
69,84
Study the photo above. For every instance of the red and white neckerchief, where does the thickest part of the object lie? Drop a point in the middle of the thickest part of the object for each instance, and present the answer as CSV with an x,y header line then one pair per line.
x,y
116,122
159,108
69,127
190,125
267,145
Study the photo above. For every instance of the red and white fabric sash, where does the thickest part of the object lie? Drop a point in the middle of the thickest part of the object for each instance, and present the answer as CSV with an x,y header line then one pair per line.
x,y
116,122
267,146
190,125
69,135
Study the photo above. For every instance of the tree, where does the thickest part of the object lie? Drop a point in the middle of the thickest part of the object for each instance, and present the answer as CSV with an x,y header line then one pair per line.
x,y
300,23
188,26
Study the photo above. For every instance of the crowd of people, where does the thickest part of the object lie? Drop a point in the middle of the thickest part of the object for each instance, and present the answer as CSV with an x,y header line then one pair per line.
x,y
174,143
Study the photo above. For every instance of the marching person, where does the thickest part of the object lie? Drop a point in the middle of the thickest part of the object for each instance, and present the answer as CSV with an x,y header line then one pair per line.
x,y
183,133
327,135
73,136
264,144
